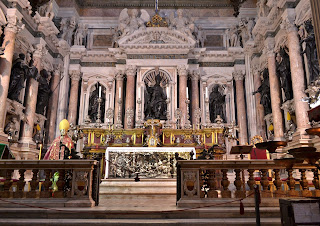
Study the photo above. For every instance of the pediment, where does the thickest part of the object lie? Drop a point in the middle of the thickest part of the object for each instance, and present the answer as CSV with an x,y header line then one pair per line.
x,y
157,37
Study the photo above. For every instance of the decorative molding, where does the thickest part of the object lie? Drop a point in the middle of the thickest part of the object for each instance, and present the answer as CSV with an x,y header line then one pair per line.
x,y
157,56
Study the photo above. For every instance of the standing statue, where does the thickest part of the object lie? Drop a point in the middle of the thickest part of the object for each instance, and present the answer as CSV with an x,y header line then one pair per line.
x,y
234,37
201,37
181,23
263,8
43,92
311,51
264,90
94,104
80,35
18,77
217,104
155,106
284,73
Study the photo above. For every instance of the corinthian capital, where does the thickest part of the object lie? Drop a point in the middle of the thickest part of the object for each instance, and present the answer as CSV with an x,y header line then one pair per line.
x,y
119,75
195,75
75,75
40,50
238,75
182,70
288,21
269,47
131,70
14,21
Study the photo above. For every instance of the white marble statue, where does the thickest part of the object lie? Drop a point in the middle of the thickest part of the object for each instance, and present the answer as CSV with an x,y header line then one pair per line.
x,y
130,21
181,23
46,10
80,34
234,37
250,25
263,8
201,37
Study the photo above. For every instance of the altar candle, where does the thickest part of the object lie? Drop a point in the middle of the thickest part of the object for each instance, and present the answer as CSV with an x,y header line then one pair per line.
x,y
99,91
187,92
119,92
206,92
109,100
139,93
168,91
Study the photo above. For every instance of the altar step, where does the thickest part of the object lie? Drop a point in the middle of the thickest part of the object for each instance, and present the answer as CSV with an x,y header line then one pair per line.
x,y
144,189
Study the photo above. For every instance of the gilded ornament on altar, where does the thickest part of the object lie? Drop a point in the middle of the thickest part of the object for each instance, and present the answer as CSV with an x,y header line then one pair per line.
x,y
157,21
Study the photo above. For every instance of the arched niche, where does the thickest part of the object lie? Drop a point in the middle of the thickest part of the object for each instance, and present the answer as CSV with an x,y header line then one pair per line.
x,y
93,102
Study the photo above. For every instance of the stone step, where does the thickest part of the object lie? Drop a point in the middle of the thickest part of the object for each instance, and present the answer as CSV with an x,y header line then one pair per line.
x,y
163,222
131,213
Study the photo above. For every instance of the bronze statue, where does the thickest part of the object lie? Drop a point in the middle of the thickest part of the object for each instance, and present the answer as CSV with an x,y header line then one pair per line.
x,y
43,92
311,52
19,73
284,73
264,90
217,104
155,106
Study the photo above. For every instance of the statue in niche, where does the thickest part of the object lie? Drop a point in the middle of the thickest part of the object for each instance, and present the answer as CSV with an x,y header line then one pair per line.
x,y
264,90
43,92
19,73
311,51
155,106
80,35
94,105
217,104
234,37
284,73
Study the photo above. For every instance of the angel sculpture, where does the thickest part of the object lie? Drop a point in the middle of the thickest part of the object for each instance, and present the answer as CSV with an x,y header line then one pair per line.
x,y
130,21
182,24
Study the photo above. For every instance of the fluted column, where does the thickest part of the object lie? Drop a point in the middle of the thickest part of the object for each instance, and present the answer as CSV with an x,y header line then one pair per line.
x,y
183,77
195,96
275,92
10,32
241,107
119,96
73,101
297,73
53,103
261,126
130,91
32,93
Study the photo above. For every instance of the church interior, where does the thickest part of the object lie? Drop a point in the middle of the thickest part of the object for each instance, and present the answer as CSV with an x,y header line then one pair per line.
x,y
116,112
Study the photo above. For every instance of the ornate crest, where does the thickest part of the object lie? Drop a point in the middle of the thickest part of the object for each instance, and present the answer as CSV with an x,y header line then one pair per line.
x,y
157,21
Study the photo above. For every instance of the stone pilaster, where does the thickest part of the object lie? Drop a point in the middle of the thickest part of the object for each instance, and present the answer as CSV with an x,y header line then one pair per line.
x,y
241,106
75,77
297,72
183,77
10,32
119,97
53,102
129,106
275,92
195,96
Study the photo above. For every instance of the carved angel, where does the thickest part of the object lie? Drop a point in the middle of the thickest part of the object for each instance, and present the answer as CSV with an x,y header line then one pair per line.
x,y
130,21
181,23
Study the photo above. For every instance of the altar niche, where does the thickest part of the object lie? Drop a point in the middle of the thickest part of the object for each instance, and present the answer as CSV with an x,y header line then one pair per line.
x,y
155,96
93,108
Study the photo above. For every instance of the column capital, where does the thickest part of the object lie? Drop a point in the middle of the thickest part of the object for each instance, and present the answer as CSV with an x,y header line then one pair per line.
x,y
14,23
119,76
75,75
238,75
288,21
131,70
57,69
195,76
182,70
269,47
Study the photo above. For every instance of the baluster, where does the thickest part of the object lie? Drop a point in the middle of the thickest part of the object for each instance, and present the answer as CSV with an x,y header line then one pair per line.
x,y
304,184
251,182
20,185
291,184
315,182
34,183
46,185
226,193
278,183
239,193
212,184
265,184
60,185
7,184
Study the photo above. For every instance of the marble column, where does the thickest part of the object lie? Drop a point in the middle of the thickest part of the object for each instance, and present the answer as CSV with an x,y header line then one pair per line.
x,y
261,125
130,100
10,32
53,103
241,107
32,93
275,93
195,96
183,77
119,96
73,99
297,76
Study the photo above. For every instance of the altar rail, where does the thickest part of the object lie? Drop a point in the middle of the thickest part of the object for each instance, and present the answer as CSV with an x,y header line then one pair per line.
x,y
198,179
28,181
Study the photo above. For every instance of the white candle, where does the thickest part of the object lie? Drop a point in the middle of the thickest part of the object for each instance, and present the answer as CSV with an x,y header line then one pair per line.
x,y
109,100
139,93
206,92
99,91
119,92
187,92
168,91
